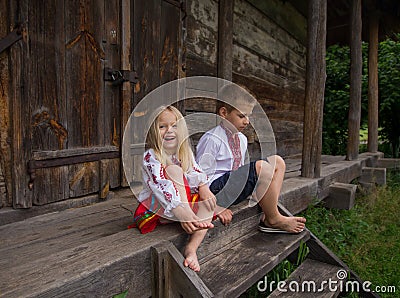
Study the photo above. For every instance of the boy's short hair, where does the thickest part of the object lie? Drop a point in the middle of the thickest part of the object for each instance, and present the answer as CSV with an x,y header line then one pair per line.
x,y
232,95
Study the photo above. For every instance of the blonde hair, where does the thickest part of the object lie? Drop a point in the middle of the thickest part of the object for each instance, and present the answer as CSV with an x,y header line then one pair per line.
x,y
232,95
154,141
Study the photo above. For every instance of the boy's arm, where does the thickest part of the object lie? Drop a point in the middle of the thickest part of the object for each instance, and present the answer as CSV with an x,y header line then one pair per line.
x,y
206,152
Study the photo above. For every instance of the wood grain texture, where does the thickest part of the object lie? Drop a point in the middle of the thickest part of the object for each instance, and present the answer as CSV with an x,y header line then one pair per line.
x,y
315,86
238,267
355,81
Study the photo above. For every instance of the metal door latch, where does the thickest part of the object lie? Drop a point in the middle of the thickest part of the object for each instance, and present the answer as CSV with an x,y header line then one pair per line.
x,y
117,77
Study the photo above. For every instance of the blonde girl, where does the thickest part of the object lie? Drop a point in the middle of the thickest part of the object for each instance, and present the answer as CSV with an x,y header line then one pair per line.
x,y
174,186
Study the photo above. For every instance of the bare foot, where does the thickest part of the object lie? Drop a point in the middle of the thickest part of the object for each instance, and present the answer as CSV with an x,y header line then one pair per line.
x,y
191,261
289,224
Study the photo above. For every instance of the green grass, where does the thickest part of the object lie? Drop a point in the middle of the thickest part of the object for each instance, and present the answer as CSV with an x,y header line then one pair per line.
x,y
366,237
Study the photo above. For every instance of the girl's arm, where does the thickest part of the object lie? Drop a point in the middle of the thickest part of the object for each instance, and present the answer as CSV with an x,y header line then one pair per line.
x,y
162,188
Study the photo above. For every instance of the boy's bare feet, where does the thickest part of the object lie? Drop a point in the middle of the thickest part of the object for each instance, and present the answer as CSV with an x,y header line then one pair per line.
x,y
191,261
291,224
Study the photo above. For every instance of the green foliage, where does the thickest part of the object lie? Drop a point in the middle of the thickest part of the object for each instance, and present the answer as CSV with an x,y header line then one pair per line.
x,y
366,237
122,295
389,92
337,96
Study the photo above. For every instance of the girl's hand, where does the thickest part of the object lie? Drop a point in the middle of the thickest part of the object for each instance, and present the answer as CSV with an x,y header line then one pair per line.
x,y
190,222
207,198
191,227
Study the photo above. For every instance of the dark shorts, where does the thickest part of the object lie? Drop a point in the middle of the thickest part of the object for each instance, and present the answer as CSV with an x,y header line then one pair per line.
x,y
236,186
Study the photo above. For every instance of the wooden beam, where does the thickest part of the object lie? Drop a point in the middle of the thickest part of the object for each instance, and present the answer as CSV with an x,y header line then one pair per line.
x,y
373,104
170,278
355,81
341,196
225,39
315,86
126,94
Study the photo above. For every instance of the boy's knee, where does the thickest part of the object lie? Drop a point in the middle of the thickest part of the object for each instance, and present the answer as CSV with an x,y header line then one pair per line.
x,y
263,168
280,163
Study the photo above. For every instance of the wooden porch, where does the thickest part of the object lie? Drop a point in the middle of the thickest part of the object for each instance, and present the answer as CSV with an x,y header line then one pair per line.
x,y
89,251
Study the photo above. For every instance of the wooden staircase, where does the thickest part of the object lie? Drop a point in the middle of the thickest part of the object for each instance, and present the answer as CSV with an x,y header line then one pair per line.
x,y
237,266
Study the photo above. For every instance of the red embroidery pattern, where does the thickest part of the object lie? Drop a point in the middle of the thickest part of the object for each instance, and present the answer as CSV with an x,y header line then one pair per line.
x,y
234,145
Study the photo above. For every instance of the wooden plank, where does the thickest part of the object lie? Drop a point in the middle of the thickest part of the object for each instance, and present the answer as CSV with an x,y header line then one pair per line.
x,y
22,197
114,50
46,228
50,185
5,115
169,42
252,14
202,34
225,39
146,28
373,175
391,163
311,278
43,155
373,87
286,16
126,63
250,34
246,61
353,142
83,178
84,73
65,239
234,270
341,196
170,278
315,87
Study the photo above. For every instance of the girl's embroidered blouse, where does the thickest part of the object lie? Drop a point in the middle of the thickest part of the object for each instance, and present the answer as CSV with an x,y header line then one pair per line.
x,y
155,182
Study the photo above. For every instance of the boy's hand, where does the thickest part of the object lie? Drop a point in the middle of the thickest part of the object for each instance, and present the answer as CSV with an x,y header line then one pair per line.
x,y
224,215
207,197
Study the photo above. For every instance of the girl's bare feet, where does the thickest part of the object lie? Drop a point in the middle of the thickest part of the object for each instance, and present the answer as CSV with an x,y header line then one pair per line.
x,y
191,261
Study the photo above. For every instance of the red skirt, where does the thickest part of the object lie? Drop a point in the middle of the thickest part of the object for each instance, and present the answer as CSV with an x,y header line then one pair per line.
x,y
147,214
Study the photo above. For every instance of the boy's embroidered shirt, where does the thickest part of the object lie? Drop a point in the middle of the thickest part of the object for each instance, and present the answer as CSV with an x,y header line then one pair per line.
x,y
234,145
155,182
214,155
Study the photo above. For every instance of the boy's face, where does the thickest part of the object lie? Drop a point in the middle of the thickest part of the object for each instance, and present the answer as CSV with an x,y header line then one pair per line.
x,y
239,119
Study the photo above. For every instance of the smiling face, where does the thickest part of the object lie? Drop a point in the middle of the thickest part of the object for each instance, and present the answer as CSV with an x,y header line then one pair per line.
x,y
167,126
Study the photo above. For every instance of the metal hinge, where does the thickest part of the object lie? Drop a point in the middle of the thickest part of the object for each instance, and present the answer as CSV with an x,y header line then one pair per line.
x,y
11,38
117,77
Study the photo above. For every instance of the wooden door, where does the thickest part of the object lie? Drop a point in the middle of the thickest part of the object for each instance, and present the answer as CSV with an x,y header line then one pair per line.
x,y
158,57
66,119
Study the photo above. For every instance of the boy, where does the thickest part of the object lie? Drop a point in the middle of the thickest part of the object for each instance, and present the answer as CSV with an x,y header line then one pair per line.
x,y
221,154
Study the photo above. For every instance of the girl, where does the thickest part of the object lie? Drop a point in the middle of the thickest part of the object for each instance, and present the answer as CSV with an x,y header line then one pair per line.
x,y
173,183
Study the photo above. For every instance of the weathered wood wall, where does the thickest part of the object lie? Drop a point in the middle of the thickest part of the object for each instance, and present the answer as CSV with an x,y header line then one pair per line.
x,y
5,149
54,99
268,58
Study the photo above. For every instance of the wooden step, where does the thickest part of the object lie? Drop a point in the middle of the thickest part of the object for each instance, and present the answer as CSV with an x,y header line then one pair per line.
x,y
89,250
234,269
311,279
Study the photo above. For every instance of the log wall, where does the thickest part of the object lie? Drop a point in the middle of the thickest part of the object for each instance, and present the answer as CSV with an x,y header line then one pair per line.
x,y
268,57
